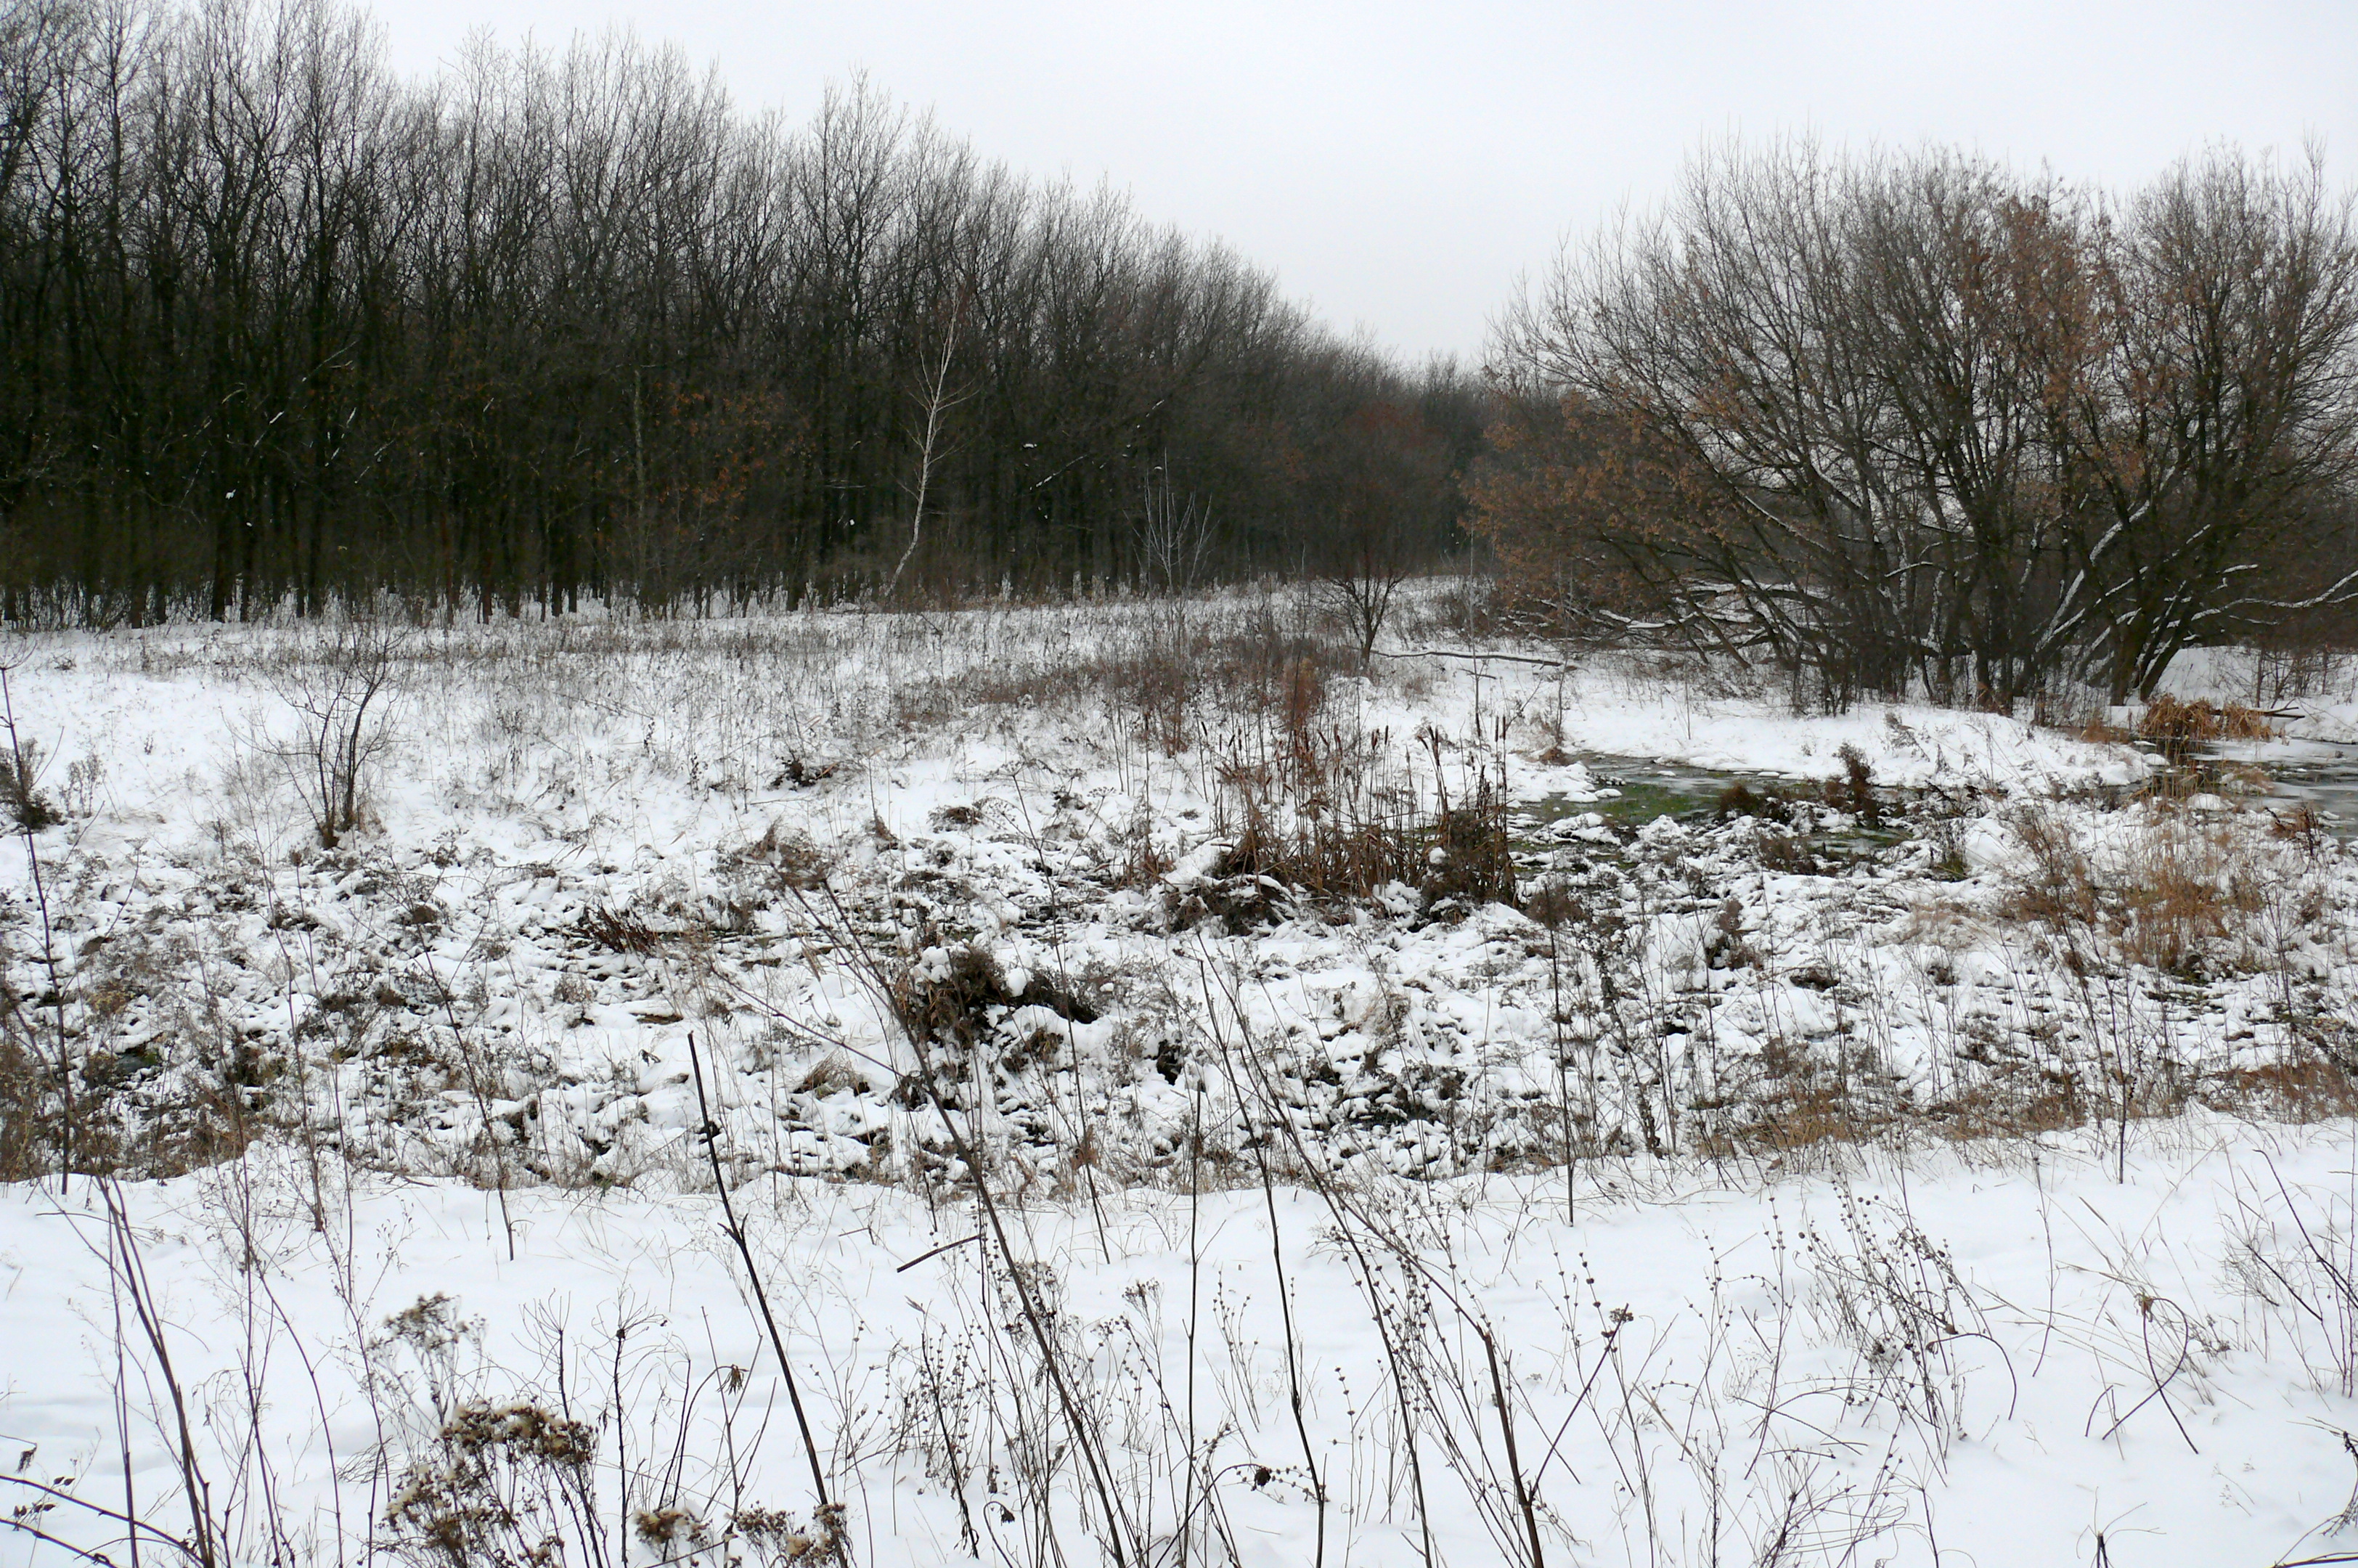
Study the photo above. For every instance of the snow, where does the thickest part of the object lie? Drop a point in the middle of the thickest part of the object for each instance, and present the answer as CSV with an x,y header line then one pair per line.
x,y
604,856
1908,745
1734,1384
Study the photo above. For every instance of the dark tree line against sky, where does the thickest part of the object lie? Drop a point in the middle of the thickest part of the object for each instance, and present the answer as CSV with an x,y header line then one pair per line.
x,y
276,327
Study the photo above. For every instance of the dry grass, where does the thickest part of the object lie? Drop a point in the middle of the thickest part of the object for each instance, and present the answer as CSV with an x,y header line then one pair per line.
x,y
2179,726
196,1120
2177,893
1173,676
1328,811
27,1145
2299,1092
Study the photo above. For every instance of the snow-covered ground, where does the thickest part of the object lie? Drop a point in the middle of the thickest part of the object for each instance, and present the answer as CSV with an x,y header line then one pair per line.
x,y
1997,1353
915,894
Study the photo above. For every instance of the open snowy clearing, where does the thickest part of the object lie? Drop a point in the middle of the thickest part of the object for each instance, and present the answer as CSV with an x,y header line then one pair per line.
x,y
1071,837
1956,1105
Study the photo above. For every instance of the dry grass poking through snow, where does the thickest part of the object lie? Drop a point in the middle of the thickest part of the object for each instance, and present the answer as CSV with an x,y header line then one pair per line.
x,y
1016,935
583,841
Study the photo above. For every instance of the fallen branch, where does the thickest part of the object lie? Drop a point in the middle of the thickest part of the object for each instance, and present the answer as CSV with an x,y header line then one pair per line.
x,y
1463,653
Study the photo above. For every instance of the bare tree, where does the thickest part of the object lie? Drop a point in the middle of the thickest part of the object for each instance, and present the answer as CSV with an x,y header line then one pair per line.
x,y
1724,331
1923,424
2224,412
1978,316
936,402
1375,530
1173,534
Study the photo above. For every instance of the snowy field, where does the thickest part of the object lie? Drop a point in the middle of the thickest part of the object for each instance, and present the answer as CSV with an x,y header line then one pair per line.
x,y
1183,1098
1998,1355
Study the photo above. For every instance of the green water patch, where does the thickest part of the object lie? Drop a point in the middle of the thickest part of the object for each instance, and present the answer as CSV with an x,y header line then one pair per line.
x,y
1635,805
1640,791
1641,800
1644,790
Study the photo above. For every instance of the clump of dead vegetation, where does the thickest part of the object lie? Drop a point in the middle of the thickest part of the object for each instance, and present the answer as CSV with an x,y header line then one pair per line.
x,y
2181,726
1333,815
2171,890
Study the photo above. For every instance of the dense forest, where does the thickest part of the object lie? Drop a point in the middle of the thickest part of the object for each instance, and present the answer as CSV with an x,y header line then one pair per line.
x,y
276,325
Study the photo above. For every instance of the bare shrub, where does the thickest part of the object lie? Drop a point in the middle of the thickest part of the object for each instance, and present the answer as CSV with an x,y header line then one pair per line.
x,y
20,791
1324,810
1172,676
25,1107
788,854
1173,534
491,1466
1894,1297
1471,608
497,1490
337,689
2297,668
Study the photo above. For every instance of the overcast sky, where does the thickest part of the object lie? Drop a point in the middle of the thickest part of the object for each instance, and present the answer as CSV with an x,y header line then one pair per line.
x,y
1399,165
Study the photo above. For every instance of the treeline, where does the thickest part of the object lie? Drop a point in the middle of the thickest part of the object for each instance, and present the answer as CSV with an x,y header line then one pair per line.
x,y
1920,423
275,325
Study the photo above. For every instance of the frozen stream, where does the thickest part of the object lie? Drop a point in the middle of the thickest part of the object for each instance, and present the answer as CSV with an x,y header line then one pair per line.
x,y
2322,775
